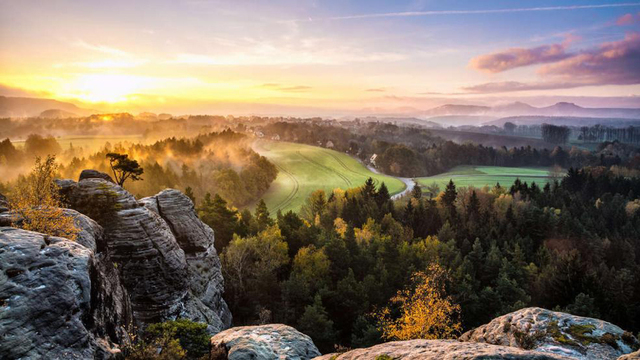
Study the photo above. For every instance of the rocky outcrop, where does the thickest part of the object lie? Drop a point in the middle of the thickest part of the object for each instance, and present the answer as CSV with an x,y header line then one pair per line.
x,y
274,341
94,174
4,205
90,235
51,305
632,356
440,350
163,253
197,241
555,332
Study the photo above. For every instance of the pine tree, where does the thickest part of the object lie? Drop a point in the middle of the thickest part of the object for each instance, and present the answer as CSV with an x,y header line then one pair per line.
x,y
189,193
315,322
224,221
369,189
416,192
262,216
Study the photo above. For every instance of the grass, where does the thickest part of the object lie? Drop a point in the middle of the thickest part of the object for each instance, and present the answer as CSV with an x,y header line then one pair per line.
x,y
304,169
480,176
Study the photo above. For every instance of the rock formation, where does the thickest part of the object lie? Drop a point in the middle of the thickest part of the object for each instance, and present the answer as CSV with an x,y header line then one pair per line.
x,y
163,252
440,350
274,341
133,263
632,356
196,240
555,332
49,299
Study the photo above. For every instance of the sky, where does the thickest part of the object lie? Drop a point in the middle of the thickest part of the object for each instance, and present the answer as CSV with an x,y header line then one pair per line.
x,y
304,56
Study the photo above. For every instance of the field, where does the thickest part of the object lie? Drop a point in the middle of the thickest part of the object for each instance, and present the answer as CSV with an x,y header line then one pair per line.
x,y
480,176
304,169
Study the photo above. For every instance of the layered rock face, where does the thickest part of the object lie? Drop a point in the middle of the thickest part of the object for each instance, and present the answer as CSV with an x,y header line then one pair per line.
x,y
133,263
556,332
197,241
48,301
163,252
274,341
440,350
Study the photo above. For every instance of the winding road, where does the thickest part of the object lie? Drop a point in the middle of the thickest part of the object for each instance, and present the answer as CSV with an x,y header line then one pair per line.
x,y
408,182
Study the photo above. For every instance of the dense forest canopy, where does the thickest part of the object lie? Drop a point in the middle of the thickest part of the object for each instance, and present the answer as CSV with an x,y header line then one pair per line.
x,y
572,245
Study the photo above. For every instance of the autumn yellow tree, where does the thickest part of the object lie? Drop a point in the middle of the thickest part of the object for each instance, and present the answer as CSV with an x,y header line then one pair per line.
x,y
426,312
36,205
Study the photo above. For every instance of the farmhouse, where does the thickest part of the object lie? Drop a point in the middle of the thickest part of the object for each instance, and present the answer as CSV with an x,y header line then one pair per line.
x,y
373,158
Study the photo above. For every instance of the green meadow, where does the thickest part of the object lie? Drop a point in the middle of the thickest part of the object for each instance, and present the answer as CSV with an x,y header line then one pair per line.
x,y
480,176
304,169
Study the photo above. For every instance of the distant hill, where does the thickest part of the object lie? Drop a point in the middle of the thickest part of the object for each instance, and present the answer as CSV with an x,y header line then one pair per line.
x,y
461,120
565,121
450,109
403,120
57,114
520,109
31,107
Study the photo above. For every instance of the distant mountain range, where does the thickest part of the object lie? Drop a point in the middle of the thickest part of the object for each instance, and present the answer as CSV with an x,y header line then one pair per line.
x,y
31,107
522,109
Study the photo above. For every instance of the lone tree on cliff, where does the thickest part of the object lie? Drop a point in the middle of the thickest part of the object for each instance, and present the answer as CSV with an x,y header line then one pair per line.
x,y
124,168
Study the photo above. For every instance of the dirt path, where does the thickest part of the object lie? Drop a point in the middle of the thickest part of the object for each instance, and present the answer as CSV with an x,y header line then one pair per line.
x,y
408,182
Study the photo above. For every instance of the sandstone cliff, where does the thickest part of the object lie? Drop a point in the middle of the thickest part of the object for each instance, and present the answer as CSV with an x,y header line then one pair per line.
x,y
134,263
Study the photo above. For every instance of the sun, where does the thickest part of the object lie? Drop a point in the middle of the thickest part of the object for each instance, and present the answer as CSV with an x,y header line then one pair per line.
x,y
106,88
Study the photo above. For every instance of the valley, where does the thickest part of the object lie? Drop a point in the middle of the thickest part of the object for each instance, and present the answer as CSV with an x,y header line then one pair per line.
x,y
304,169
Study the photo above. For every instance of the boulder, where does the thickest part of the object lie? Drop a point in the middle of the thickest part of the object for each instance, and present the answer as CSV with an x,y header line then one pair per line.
x,y
440,350
48,303
90,235
4,205
65,186
274,341
95,174
632,356
555,332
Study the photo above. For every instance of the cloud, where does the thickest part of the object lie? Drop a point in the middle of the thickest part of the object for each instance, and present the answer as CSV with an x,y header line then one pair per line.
x,y
472,12
6,90
510,86
270,55
610,63
376,90
518,57
285,88
625,19
100,48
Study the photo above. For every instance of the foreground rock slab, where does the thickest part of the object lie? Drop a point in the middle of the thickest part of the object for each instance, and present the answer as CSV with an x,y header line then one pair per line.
x,y
632,356
274,341
46,307
556,332
440,350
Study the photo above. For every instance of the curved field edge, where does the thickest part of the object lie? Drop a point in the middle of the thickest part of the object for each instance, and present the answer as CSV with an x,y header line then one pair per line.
x,y
480,176
305,168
